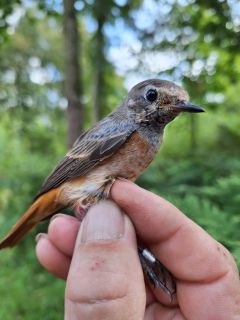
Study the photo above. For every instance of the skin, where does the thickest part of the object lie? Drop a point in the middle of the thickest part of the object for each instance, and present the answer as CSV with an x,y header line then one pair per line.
x,y
105,280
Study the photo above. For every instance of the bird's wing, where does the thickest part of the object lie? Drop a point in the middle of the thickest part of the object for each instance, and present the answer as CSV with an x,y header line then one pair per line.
x,y
92,147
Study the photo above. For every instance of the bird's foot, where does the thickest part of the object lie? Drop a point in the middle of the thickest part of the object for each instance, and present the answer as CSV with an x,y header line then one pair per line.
x,y
82,206
107,187
81,211
157,274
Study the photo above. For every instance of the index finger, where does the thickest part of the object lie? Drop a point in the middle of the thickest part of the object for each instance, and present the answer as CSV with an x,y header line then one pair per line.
x,y
180,244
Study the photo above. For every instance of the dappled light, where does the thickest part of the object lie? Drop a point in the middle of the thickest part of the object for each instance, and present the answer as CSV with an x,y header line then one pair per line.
x,y
195,44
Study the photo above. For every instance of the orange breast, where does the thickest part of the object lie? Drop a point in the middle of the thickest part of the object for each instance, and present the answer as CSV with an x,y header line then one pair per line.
x,y
130,160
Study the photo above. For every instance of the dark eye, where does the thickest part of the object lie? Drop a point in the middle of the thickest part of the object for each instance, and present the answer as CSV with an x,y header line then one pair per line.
x,y
151,95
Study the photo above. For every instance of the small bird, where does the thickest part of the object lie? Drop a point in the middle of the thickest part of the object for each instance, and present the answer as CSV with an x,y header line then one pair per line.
x,y
121,145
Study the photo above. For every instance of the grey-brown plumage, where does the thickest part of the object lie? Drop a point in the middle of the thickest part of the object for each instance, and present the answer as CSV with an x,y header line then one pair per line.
x,y
108,135
121,145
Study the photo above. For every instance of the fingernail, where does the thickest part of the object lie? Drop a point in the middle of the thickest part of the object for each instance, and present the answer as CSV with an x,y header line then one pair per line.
x,y
40,236
104,221
57,215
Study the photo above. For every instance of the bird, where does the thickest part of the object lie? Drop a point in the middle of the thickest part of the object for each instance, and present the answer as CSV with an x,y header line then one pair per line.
x,y
121,145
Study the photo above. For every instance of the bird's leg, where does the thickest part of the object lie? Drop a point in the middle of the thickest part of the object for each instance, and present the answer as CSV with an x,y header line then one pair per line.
x,y
81,211
101,191
156,272
107,186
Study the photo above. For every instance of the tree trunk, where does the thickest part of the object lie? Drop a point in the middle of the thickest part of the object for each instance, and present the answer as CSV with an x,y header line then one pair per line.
x,y
99,71
73,84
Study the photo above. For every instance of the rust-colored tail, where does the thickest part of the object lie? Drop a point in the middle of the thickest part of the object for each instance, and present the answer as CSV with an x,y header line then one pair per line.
x,y
40,209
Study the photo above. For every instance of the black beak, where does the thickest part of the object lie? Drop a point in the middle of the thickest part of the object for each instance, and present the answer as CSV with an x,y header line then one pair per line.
x,y
185,106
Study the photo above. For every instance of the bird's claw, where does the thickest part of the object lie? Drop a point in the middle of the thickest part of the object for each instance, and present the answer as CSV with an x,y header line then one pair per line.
x,y
156,272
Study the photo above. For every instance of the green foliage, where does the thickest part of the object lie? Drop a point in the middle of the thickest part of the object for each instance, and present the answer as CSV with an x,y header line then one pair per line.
x,y
27,292
197,168
6,9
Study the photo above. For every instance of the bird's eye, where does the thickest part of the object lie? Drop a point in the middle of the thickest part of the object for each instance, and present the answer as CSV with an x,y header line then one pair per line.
x,y
151,95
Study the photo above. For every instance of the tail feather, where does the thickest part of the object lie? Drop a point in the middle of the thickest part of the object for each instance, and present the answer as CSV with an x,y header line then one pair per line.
x,y
40,209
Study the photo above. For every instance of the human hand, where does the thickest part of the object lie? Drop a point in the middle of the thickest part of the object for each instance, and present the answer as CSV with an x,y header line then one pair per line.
x,y
105,281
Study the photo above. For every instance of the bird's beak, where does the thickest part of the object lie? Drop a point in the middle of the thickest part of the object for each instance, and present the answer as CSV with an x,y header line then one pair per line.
x,y
184,106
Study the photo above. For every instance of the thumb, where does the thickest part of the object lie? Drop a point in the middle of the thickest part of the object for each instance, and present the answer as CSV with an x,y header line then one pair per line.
x,y
105,279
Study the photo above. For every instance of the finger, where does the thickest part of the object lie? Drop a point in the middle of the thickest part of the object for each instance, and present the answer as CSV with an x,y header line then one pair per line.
x,y
181,245
105,280
220,298
62,232
157,311
207,274
51,258
150,298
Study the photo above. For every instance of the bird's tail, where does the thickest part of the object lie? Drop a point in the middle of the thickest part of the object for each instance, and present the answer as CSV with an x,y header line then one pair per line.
x,y
40,209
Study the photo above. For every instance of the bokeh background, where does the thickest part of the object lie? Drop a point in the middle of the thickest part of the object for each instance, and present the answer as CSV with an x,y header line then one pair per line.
x,y
65,64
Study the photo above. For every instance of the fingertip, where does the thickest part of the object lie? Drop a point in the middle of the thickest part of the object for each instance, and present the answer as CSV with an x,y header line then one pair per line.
x,y
64,216
62,232
51,258
39,236
127,194
40,245
121,187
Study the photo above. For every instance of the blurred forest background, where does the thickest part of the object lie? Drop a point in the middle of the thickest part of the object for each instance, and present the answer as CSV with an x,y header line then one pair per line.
x,y
65,64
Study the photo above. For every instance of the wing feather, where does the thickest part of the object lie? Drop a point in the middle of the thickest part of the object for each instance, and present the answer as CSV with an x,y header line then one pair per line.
x,y
92,147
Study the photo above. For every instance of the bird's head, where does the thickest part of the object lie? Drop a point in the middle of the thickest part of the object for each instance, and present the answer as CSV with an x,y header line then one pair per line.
x,y
158,102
